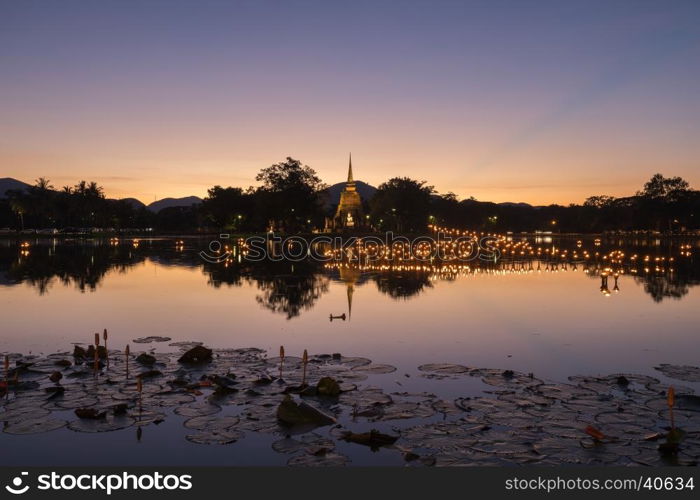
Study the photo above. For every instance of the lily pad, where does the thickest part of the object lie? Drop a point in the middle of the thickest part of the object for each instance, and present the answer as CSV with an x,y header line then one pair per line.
x,y
152,338
145,416
198,409
71,400
680,372
34,425
171,398
109,423
22,413
290,412
508,379
406,410
208,422
215,437
185,344
318,460
375,369
307,441
444,368
365,398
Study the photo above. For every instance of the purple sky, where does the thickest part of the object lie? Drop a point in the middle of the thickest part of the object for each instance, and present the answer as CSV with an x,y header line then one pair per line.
x,y
505,101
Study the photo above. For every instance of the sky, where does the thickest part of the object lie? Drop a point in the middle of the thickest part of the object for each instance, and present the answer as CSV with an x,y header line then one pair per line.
x,y
524,101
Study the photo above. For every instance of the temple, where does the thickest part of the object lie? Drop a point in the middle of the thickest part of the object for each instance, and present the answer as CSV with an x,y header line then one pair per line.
x,y
349,214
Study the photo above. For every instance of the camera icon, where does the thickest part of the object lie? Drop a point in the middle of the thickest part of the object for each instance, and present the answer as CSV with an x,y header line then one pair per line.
x,y
16,488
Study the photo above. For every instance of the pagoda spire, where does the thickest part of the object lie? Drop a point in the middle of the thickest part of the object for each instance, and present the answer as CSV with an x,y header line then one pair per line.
x,y
350,179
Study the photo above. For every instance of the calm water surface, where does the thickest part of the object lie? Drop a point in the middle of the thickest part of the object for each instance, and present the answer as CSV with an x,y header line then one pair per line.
x,y
555,323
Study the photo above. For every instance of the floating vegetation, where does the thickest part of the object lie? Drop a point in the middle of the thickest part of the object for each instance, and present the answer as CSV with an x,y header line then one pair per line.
x,y
443,368
152,338
373,439
319,459
208,422
681,372
375,369
187,344
34,425
289,412
215,437
198,409
313,401
146,359
311,442
107,423
198,354
213,430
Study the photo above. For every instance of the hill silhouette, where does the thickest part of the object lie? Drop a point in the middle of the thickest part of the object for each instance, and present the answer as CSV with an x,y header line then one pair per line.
x,y
187,201
8,183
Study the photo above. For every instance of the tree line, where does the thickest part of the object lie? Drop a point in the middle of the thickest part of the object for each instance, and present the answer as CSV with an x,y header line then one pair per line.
x,y
292,198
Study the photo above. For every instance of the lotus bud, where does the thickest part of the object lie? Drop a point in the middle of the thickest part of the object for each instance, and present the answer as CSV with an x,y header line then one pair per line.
x,y
671,400
305,360
127,351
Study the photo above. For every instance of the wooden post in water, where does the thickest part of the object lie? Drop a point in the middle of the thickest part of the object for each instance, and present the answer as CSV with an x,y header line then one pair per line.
x,y
281,359
104,336
304,361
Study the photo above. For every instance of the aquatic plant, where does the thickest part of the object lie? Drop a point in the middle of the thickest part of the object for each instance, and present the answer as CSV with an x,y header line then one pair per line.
x,y
127,352
104,336
305,361
281,360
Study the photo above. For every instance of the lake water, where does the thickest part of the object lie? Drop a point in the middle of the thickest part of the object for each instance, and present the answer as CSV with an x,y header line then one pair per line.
x,y
531,317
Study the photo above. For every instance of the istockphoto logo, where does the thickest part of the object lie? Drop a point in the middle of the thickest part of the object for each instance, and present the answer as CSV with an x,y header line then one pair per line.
x,y
17,486
106,483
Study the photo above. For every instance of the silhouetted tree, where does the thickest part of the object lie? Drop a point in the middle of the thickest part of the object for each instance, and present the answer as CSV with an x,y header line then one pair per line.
x,y
228,208
667,188
291,195
402,204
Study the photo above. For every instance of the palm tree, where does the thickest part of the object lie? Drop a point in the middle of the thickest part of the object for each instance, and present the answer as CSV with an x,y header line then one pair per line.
x,y
80,188
43,184
95,190
18,209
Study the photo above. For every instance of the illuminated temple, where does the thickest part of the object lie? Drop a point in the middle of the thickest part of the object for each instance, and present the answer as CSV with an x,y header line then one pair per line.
x,y
348,215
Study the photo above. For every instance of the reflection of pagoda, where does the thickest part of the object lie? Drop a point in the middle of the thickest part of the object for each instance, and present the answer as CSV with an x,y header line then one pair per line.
x,y
349,276
348,215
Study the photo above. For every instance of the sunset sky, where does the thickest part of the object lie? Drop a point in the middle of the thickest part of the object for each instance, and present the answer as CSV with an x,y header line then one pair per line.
x,y
528,101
